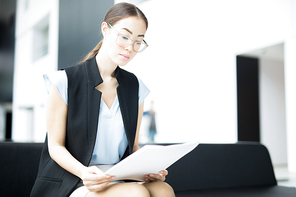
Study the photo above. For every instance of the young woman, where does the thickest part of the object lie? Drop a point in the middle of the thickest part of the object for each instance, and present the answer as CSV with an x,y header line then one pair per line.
x,y
94,112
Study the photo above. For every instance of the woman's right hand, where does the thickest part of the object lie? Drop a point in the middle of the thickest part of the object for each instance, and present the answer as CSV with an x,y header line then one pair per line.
x,y
94,179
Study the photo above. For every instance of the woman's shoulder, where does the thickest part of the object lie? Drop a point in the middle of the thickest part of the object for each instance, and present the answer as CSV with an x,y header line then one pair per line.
x,y
56,77
75,72
59,80
74,68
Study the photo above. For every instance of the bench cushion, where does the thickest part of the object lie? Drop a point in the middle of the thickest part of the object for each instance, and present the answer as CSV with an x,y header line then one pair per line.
x,y
269,191
211,166
18,167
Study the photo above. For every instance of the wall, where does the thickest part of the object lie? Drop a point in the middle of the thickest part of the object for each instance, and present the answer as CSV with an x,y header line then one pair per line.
x,y
190,63
29,94
79,29
7,29
290,81
273,109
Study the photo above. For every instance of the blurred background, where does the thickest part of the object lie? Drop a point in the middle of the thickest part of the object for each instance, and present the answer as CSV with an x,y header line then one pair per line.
x,y
218,71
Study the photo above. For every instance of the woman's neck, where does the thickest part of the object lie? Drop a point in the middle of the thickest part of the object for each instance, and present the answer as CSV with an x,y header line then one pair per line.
x,y
106,65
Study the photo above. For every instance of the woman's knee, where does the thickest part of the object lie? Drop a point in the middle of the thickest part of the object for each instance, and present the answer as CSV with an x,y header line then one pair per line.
x,y
122,190
159,189
136,190
166,190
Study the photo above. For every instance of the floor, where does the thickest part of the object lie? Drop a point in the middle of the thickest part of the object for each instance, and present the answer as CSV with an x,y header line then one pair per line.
x,y
284,177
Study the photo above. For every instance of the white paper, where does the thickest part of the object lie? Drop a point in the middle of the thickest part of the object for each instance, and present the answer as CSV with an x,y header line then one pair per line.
x,y
149,159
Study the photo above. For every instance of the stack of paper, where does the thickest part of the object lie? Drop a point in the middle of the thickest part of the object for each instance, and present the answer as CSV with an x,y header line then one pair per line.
x,y
149,159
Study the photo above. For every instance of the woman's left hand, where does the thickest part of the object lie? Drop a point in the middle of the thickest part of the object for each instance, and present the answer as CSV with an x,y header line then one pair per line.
x,y
156,177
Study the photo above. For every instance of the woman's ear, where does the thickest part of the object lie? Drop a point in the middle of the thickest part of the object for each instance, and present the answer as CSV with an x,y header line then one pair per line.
x,y
104,28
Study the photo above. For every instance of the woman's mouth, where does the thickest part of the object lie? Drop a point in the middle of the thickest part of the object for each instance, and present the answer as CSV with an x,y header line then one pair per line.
x,y
124,57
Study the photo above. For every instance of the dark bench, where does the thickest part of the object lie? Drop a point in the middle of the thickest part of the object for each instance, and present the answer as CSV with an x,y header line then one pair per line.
x,y
241,169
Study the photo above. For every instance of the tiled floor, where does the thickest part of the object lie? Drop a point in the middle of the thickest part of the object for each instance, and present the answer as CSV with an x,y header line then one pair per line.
x,y
284,177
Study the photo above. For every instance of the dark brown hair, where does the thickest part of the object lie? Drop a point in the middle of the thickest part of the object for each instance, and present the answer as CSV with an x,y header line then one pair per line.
x,y
116,13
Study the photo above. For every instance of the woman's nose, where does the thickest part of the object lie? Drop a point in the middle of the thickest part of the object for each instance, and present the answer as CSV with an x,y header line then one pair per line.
x,y
129,47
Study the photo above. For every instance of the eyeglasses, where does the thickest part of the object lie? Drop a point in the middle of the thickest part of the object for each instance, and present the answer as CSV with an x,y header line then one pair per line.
x,y
124,41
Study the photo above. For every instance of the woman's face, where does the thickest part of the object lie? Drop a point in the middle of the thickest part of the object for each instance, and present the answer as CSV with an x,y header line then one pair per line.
x,y
131,27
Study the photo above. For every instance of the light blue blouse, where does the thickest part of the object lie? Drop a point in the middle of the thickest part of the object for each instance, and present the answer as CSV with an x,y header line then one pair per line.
x,y
111,141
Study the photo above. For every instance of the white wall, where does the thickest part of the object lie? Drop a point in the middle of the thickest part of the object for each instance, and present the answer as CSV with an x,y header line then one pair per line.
x,y
190,63
29,91
273,109
290,73
290,80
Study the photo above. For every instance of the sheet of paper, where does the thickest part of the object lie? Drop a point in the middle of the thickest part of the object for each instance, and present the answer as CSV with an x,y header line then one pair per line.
x,y
149,159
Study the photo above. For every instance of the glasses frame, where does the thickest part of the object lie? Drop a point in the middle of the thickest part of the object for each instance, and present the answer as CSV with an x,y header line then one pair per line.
x,y
133,41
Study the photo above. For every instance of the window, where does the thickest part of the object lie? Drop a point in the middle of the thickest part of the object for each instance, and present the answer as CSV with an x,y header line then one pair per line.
x,y
40,40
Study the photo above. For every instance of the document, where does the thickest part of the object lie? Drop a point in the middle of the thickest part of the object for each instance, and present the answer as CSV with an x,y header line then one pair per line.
x,y
149,159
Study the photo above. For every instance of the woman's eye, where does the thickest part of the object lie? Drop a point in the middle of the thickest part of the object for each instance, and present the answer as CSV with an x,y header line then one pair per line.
x,y
125,38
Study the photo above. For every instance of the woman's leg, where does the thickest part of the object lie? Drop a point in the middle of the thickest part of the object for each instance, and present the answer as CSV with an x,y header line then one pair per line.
x,y
122,190
159,189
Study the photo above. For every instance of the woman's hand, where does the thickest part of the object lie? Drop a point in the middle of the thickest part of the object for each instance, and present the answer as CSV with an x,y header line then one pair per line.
x,y
156,177
94,179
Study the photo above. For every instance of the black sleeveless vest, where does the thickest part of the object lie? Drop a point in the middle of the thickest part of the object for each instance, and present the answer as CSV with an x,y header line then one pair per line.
x,y
82,121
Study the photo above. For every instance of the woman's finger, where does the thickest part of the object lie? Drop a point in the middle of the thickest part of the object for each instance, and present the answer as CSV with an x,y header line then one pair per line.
x,y
97,187
156,177
164,172
94,176
90,182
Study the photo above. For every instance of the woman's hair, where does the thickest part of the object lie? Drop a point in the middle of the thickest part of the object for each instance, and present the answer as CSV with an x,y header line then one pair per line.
x,y
116,13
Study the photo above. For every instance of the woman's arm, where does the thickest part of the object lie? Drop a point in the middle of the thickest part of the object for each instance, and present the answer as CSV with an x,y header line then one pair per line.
x,y
56,118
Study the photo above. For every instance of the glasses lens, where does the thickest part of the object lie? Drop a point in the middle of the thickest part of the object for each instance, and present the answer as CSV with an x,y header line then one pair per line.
x,y
123,40
139,46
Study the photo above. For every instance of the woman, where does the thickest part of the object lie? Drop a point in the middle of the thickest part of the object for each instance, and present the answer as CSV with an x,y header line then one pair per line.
x,y
94,112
